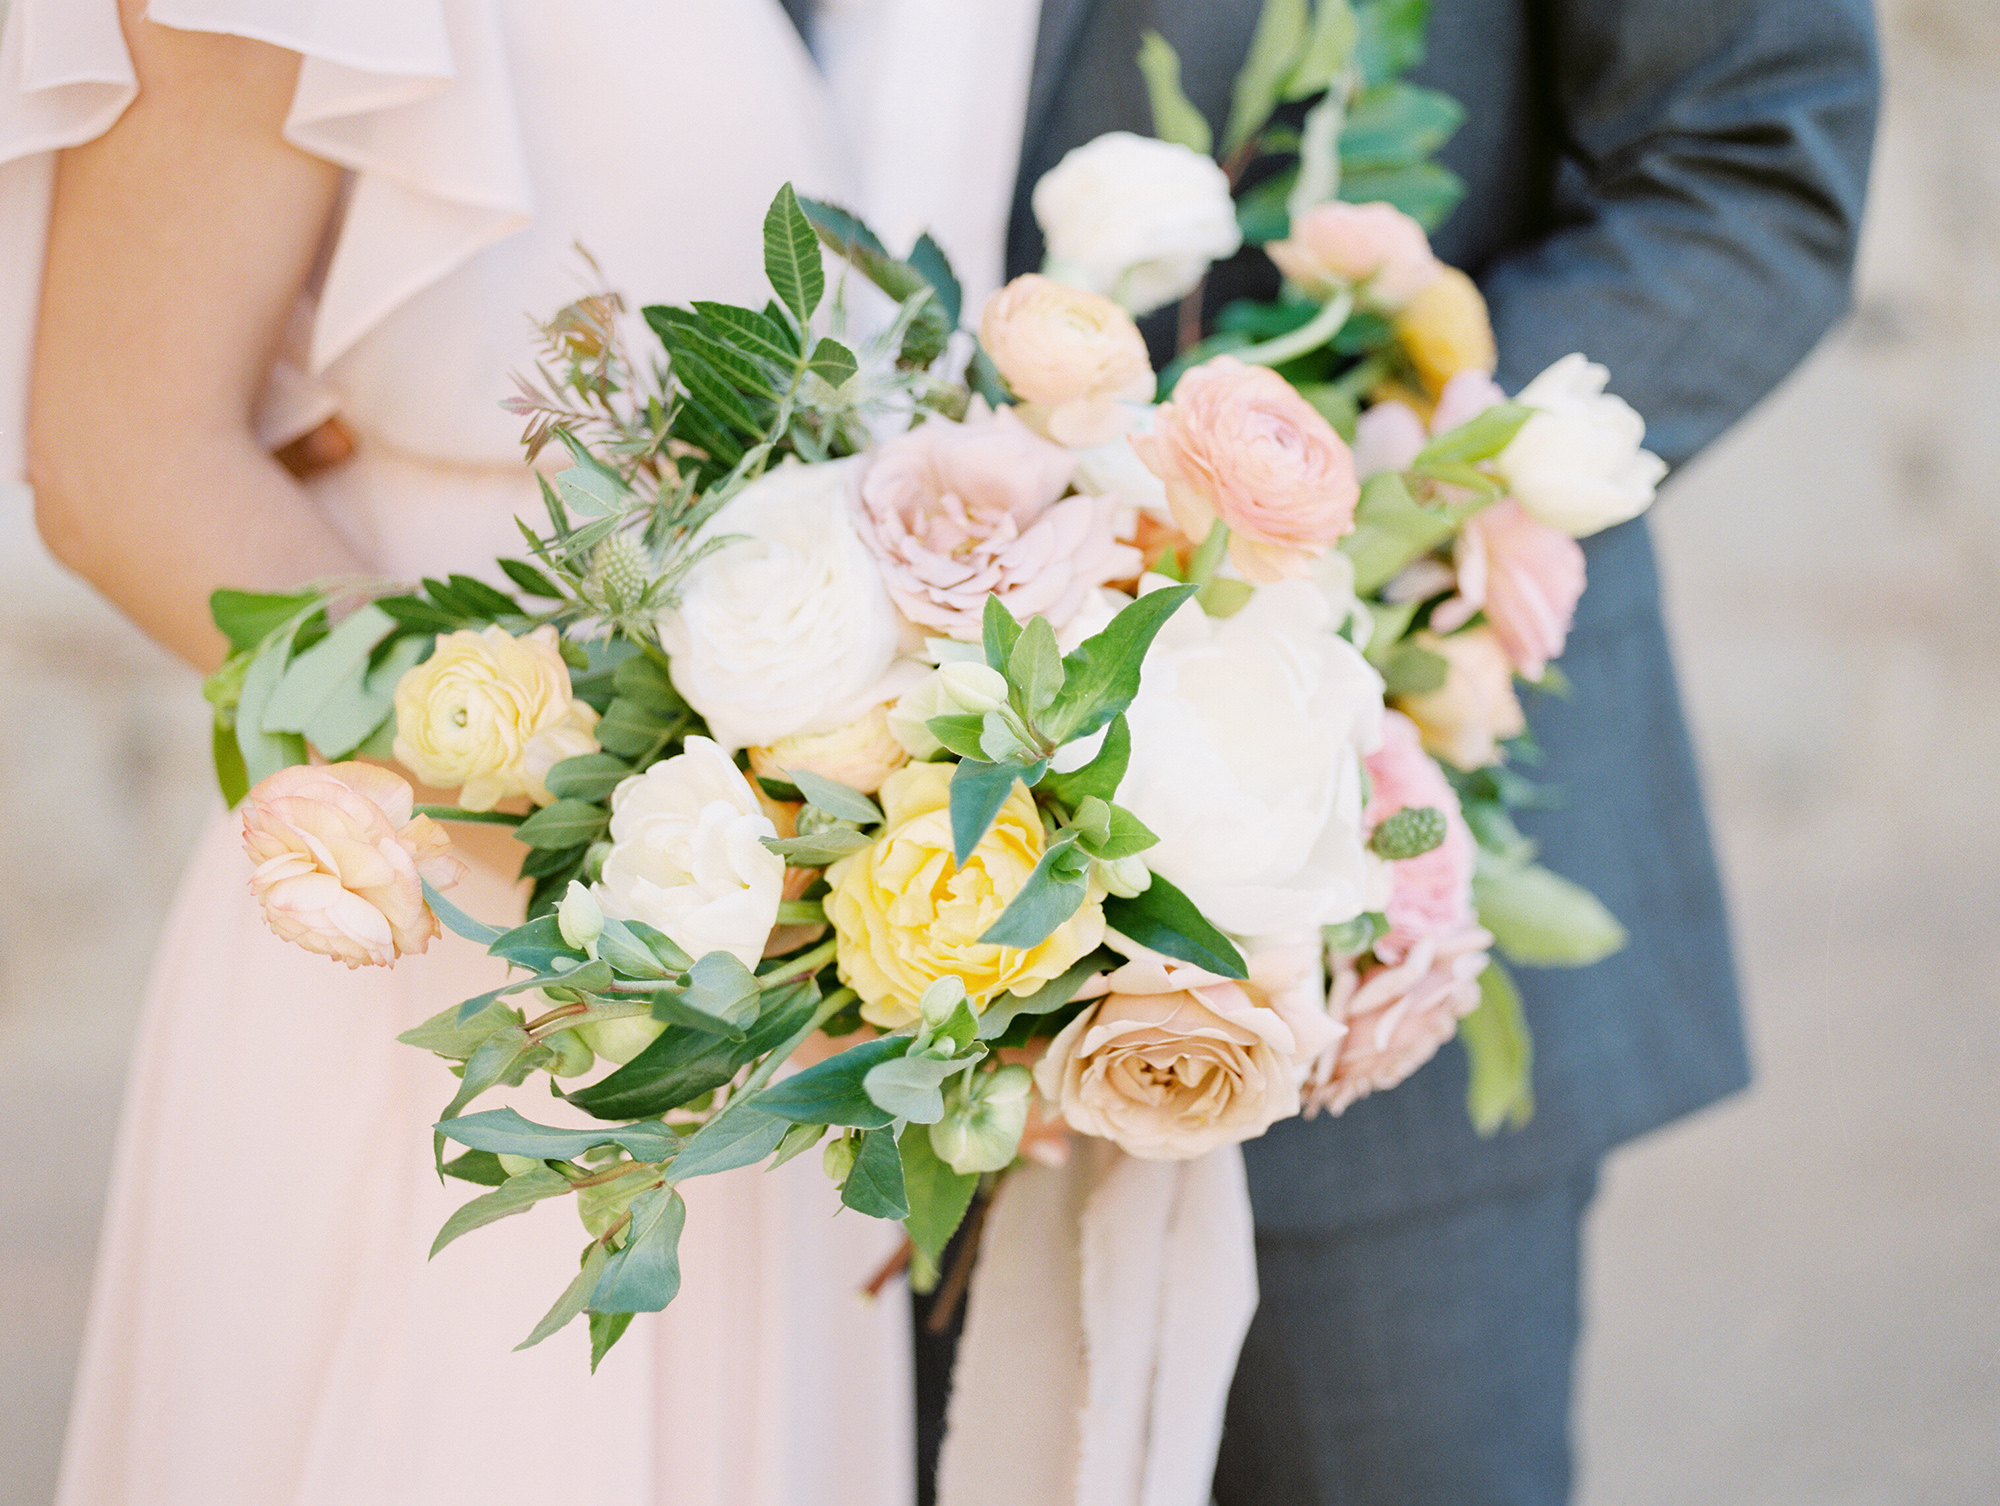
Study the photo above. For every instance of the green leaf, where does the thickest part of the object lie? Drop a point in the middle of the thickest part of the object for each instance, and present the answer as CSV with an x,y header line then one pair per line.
x,y
1103,672
1390,530
928,261
1500,1055
506,1133
631,731
417,615
1049,897
833,361
1423,190
1541,919
962,733
721,987
247,618
1035,668
791,256
1397,124
821,848
757,334
331,667
480,1167
534,944
1058,991
488,601
937,1195
1275,50
910,1087
1167,921
456,920
606,1329
265,752
445,1035
1318,179
645,1275
688,334
1127,837
875,1185
797,1140
1478,438
833,1091
716,392
566,823
836,799
1174,116
350,719
515,1195
588,777
1412,670
978,790
738,1136
1390,37
531,581
573,1300
1099,777
230,774
644,683
999,632
1328,50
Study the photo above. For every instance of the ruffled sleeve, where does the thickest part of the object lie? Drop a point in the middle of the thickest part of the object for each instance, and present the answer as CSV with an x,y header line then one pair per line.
x,y
414,97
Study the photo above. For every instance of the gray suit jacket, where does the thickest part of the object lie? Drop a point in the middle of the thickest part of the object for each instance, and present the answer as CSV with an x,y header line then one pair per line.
x,y
1673,188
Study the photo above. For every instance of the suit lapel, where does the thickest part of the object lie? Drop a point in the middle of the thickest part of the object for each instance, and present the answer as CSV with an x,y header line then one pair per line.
x,y
1055,50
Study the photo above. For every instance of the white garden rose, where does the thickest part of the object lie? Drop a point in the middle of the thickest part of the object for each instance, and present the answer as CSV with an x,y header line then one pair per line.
x,y
1136,219
1577,464
1247,740
687,855
789,630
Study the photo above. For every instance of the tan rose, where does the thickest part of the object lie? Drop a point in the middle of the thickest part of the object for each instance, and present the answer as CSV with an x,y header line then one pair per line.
x,y
906,914
489,714
1375,249
1465,719
341,861
1071,356
1444,329
1173,1062
1238,443
859,755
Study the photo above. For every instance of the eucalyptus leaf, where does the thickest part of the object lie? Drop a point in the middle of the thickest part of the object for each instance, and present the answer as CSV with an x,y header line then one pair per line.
x,y
333,666
456,920
836,799
1540,919
1058,991
575,1297
645,1275
819,849
740,1135
875,1185
1103,671
1048,898
978,790
515,1195
505,1132
1168,922
938,1197
833,1091
910,1087
265,752
445,1035
720,986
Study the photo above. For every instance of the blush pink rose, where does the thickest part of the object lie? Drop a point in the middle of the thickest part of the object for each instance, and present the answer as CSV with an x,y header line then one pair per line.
x,y
1238,443
1376,249
1526,576
1397,1015
1432,893
953,512
341,861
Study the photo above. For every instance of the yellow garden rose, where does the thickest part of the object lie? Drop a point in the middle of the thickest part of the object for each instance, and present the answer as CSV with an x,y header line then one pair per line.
x,y
1445,329
490,714
906,915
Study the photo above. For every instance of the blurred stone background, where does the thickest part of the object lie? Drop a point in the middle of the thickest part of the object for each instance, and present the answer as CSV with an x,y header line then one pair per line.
x,y
1795,1298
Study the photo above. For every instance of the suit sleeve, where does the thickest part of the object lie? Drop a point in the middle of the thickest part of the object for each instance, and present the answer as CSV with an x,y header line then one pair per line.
x,y
1714,160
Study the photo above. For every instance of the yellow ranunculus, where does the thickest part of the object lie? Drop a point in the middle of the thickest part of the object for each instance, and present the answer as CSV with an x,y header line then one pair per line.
x,y
1445,329
906,914
490,714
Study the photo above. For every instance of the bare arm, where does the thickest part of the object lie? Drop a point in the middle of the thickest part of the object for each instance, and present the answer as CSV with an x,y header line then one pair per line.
x,y
178,244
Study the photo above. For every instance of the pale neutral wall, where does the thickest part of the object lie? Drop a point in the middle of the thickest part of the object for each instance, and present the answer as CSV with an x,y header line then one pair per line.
x,y
1795,1298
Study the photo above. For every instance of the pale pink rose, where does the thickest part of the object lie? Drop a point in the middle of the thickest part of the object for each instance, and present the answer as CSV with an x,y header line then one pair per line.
x,y
341,861
1526,576
1467,395
1397,1015
1376,249
1432,893
1465,719
953,512
1387,437
1172,1062
1238,443
1071,356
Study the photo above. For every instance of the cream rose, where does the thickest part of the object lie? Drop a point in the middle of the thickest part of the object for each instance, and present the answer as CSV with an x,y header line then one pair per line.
x,y
788,630
1238,443
1465,719
687,855
906,914
341,861
1072,356
1173,1062
1374,249
1136,219
860,755
489,714
1247,740
1577,464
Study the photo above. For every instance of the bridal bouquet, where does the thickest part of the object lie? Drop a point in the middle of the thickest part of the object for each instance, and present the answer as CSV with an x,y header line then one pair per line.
x,y
927,744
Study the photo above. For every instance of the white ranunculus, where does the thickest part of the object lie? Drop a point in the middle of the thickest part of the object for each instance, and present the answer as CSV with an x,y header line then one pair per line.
x,y
687,855
1135,219
1577,463
1247,740
789,630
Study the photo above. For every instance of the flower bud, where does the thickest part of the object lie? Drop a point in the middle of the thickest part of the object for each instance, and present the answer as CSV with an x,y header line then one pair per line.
x,y
940,1000
580,918
1125,877
621,1040
515,1166
983,1121
838,1159
974,689
573,1057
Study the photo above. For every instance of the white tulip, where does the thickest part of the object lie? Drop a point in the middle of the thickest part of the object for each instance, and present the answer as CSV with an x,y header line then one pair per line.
x,y
1135,219
1577,463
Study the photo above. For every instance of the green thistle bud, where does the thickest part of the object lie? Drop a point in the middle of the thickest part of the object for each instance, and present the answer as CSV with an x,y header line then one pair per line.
x,y
1410,833
618,572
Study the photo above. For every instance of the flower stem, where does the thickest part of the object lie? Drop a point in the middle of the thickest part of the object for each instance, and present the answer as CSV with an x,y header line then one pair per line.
x,y
1202,568
457,813
1304,340
803,966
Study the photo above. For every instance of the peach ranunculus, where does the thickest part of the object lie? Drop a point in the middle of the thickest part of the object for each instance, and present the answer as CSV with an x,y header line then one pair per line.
x,y
956,512
1445,329
341,861
906,914
1239,444
1397,1015
489,714
1465,719
1375,249
859,755
1070,355
1431,894
1524,575
1174,1061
